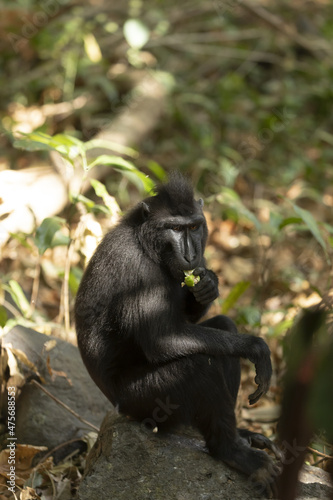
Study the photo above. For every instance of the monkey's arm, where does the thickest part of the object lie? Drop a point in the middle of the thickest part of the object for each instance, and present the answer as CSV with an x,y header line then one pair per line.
x,y
169,339
197,339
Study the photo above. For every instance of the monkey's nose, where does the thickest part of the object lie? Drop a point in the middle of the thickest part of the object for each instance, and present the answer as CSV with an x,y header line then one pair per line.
x,y
189,258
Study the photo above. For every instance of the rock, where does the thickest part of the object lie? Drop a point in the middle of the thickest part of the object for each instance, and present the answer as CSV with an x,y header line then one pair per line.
x,y
40,420
129,462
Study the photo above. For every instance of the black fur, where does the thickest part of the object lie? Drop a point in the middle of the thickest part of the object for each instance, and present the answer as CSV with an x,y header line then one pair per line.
x,y
137,331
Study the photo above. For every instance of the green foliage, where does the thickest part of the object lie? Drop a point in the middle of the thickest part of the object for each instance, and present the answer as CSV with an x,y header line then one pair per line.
x,y
235,207
75,277
311,224
101,191
17,294
66,145
249,315
114,146
72,149
157,170
246,125
123,166
281,328
249,120
235,293
49,235
288,221
3,317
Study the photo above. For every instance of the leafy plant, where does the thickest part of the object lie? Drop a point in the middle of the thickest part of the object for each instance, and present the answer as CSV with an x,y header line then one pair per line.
x,y
49,235
235,293
50,232
73,150
235,207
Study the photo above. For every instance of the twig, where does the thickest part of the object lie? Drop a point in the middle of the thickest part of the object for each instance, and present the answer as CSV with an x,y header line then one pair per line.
x,y
35,285
64,406
69,255
230,53
69,258
11,308
56,448
278,24
320,461
183,38
324,455
64,313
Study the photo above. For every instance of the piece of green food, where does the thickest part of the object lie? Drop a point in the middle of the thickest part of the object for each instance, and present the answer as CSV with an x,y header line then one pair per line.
x,y
190,280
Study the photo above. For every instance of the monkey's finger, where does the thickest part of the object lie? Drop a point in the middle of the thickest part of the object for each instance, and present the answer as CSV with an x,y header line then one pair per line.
x,y
200,271
264,481
205,301
277,452
206,296
201,289
253,398
262,381
261,390
261,442
203,286
206,292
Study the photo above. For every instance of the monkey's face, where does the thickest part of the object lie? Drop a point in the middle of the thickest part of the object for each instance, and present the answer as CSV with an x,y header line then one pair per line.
x,y
174,236
183,243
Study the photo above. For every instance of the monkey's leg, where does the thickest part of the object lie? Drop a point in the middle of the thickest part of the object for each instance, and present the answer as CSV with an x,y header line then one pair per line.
x,y
216,420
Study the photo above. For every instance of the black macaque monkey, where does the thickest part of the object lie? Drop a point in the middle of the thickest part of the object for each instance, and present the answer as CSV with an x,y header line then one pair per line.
x,y
139,337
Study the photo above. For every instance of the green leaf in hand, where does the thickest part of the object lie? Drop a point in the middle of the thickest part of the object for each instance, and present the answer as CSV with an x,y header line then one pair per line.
x,y
190,279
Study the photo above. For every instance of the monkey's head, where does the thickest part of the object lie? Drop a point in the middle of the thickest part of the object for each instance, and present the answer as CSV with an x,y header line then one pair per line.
x,y
172,227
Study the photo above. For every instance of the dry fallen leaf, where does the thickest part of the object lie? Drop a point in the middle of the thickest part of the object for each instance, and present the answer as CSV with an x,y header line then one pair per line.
x,y
49,345
22,357
29,494
24,455
56,373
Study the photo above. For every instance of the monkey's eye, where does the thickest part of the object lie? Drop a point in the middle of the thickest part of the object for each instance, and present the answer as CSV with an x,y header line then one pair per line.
x,y
176,228
194,228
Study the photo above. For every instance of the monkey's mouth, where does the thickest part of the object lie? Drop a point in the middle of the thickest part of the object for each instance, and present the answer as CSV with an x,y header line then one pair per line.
x,y
189,266
180,273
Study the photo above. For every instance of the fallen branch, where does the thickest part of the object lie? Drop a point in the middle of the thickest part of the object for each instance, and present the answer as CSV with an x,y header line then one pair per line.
x,y
28,196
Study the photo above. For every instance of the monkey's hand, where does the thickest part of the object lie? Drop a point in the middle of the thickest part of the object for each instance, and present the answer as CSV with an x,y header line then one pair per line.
x,y
207,289
260,356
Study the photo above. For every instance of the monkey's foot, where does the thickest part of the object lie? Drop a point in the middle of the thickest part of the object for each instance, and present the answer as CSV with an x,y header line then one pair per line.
x,y
261,442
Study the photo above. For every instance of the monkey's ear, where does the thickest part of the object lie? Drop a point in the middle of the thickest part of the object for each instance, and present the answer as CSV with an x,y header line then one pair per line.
x,y
145,210
201,202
